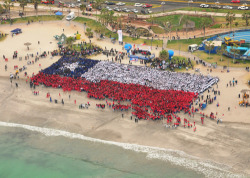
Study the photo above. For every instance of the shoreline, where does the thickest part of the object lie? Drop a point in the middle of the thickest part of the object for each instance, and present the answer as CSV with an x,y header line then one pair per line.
x,y
152,152
226,143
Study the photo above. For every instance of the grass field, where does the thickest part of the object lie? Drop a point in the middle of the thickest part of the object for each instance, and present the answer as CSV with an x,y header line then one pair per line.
x,y
94,25
157,30
175,19
183,44
35,19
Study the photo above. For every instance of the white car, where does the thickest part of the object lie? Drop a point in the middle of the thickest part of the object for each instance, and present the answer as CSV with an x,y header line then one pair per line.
x,y
227,7
135,10
242,8
125,10
138,4
163,3
204,6
73,5
120,4
78,1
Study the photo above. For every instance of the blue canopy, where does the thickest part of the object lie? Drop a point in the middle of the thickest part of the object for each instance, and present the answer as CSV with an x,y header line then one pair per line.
x,y
17,30
58,13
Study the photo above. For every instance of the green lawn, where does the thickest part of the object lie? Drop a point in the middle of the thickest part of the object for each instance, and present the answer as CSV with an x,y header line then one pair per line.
x,y
183,44
217,58
35,19
94,25
175,19
157,30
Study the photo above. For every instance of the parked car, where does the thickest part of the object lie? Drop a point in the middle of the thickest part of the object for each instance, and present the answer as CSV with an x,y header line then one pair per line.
x,y
214,6
145,11
117,9
227,7
134,10
163,3
147,6
125,10
111,3
138,5
235,1
120,4
242,8
72,5
204,6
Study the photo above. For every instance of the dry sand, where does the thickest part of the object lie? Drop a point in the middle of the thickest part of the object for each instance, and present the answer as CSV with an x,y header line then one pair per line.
x,y
227,143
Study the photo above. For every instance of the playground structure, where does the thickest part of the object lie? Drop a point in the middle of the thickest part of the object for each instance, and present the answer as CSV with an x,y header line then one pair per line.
x,y
236,40
245,97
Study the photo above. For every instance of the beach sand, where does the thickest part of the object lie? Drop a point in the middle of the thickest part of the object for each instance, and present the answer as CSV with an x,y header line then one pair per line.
x,y
226,143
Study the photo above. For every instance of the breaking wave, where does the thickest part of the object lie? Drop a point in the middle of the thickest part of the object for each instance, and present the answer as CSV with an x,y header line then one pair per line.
x,y
175,157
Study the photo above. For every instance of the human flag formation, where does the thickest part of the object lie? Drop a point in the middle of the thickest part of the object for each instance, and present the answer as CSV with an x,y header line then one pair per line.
x,y
152,93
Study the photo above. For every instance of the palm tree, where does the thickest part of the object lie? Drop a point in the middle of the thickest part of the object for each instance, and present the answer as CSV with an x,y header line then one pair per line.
x,y
164,55
104,16
236,24
97,5
23,3
111,17
36,3
185,20
89,32
221,51
204,24
235,51
82,8
230,18
69,41
209,46
246,16
1,9
7,5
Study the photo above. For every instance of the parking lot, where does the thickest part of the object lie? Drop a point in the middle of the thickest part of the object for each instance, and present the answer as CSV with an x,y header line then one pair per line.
x,y
158,6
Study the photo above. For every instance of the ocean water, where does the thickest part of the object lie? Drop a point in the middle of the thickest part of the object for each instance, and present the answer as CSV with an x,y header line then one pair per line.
x,y
34,152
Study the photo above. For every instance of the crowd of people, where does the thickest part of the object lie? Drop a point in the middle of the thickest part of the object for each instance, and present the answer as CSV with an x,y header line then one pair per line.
x,y
70,66
151,94
163,80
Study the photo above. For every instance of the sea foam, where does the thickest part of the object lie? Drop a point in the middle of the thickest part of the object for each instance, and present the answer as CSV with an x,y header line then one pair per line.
x,y
175,157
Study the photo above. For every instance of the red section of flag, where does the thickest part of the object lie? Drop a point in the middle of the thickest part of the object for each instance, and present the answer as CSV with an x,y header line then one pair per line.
x,y
147,102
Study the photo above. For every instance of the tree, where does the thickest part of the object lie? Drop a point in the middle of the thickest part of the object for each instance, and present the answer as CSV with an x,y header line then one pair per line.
x,y
89,32
185,20
36,3
23,3
151,19
230,19
235,51
246,16
69,41
1,9
164,55
236,24
204,24
209,46
221,51
97,5
82,8
7,5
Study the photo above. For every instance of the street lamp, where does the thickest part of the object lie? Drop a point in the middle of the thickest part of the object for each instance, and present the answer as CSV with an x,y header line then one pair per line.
x,y
151,42
162,42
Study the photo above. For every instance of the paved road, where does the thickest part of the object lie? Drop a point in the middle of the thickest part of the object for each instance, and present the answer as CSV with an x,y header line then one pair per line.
x,y
169,4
